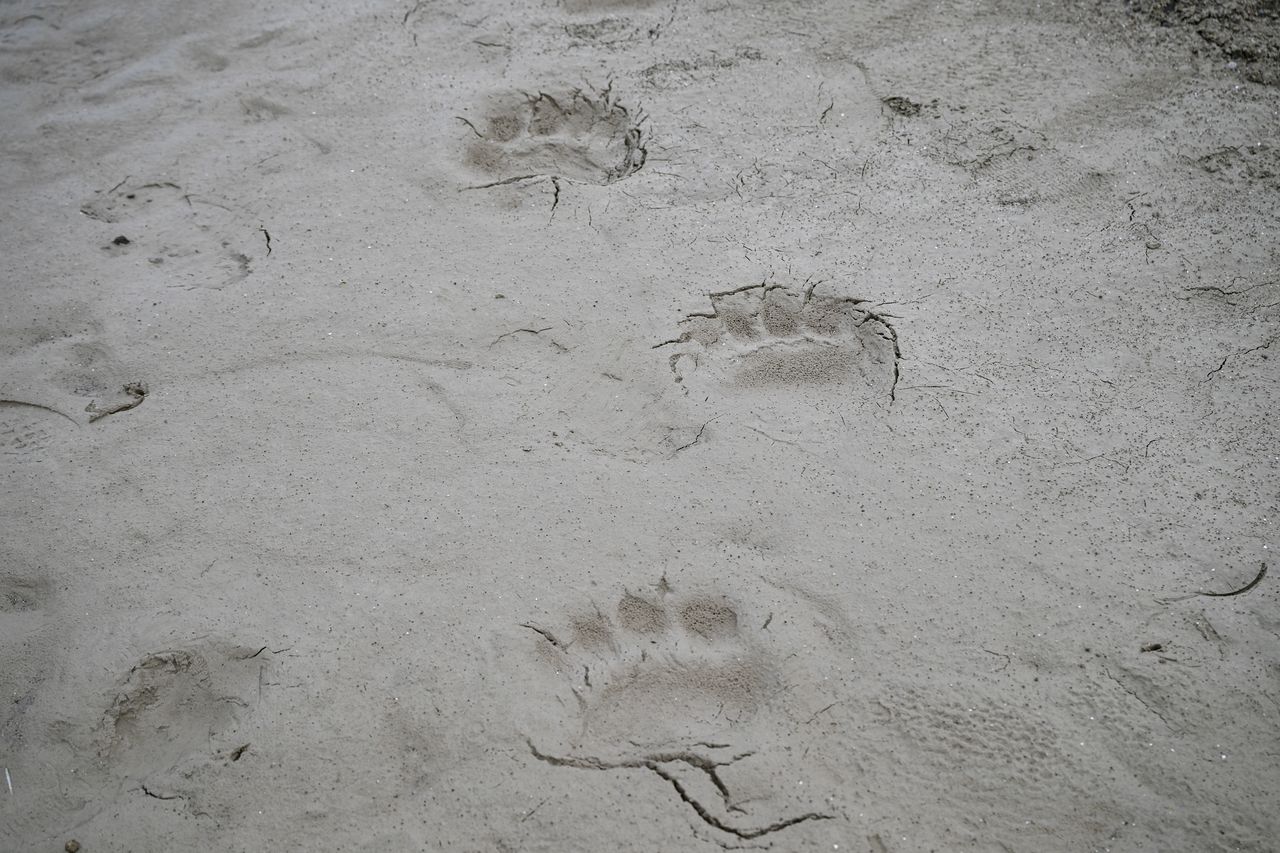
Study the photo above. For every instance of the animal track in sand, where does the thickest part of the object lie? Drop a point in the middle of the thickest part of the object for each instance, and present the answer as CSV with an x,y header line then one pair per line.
x,y
173,704
192,240
770,337
574,135
673,686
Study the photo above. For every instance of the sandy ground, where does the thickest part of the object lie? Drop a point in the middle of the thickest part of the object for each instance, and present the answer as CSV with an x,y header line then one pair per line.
x,y
609,425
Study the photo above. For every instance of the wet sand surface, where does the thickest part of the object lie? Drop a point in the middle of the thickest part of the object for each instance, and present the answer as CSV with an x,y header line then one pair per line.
x,y
609,425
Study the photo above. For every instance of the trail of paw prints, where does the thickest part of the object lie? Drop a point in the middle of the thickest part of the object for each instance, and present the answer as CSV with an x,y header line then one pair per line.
x,y
574,135
681,687
767,337
192,240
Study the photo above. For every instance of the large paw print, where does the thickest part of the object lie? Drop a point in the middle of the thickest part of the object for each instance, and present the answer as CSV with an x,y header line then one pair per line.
x,y
570,135
677,686
173,704
770,337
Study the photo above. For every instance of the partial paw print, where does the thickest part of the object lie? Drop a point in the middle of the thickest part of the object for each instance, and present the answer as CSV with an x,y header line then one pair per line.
x,y
574,136
976,144
770,337
684,688
173,705
193,241
1243,165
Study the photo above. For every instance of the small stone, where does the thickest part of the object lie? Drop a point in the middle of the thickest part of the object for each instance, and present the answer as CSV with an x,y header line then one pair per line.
x,y
72,846
1153,244
122,241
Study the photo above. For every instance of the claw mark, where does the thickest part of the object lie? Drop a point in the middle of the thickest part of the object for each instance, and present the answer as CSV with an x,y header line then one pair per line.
x,y
470,125
559,346
546,635
154,795
506,181
534,809
820,712
1262,573
407,15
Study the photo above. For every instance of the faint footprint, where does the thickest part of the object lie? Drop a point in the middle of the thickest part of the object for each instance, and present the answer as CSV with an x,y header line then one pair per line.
x,y
574,135
173,704
767,336
1243,165
1016,165
126,201
22,595
191,240
680,687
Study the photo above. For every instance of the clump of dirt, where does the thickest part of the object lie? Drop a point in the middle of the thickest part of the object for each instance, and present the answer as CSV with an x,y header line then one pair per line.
x,y
1246,31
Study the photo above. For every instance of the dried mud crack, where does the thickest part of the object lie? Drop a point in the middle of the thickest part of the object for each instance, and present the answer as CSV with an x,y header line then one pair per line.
x,y
659,763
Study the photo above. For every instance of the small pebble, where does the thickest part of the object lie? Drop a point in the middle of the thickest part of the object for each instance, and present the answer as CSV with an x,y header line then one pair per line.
x,y
73,846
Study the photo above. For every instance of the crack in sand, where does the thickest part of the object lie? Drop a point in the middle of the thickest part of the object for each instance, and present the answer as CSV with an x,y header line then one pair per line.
x,y
1230,356
1141,701
655,763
